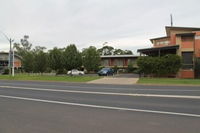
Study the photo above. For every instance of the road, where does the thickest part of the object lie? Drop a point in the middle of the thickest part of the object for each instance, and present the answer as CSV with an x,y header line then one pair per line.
x,y
50,107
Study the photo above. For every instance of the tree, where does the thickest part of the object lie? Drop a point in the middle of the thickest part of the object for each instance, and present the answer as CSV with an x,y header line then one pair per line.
x,y
24,49
91,58
72,58
128,52
130,67
118,52
122,52
106,50
40,59
56,59
24,46
28,62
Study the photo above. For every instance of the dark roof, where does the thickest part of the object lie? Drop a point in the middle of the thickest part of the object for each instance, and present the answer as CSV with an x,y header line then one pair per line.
x,y
158,48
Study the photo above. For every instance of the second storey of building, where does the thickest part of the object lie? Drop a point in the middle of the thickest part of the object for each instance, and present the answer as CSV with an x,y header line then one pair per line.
x,y
187,38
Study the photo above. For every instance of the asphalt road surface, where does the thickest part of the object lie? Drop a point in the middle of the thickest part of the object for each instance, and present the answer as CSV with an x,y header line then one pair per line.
x,y
48,107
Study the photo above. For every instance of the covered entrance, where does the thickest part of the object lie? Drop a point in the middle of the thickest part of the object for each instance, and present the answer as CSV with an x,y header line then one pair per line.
x,y
159,51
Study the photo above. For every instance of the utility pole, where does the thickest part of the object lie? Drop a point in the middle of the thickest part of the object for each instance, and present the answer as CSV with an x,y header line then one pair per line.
x,y
10,41
13,62
11,58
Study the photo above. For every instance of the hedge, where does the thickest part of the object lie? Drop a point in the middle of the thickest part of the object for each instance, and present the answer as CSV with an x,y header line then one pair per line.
x,y
159,66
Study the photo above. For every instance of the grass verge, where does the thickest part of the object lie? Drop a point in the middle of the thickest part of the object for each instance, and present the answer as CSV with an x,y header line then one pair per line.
x,y
169,81
49,78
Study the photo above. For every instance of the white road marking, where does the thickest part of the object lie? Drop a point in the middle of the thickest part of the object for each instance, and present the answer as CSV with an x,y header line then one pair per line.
x,y
104,93
138,89
101,107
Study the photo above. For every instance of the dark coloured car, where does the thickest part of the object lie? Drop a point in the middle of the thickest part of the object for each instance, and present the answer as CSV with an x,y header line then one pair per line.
x,y
106,72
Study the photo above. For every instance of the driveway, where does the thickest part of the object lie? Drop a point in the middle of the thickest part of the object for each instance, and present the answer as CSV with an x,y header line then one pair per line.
x,y
127,75
123,79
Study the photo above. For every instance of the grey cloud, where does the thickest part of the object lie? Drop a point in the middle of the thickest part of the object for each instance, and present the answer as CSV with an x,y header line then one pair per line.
x,y
123,23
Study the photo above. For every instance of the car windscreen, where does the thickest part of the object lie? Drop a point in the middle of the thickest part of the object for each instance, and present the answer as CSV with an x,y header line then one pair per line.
x,y
105,69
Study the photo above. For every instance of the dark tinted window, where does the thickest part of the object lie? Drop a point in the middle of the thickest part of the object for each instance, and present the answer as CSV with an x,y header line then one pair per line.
x,y
187,60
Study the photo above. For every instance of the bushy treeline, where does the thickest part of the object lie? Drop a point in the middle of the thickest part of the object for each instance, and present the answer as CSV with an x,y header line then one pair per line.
x,y
159,66
59,60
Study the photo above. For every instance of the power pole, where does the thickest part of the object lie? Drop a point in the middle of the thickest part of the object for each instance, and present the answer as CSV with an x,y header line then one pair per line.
x,y
10,41
13,63
11,58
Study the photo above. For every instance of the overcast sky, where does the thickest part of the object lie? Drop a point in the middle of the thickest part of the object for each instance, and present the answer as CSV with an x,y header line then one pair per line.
x,y
125,24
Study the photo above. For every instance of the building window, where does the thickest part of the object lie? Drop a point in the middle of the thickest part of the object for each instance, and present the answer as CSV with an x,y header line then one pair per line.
x,y
118,62
105,62
187,39
187,60
162,43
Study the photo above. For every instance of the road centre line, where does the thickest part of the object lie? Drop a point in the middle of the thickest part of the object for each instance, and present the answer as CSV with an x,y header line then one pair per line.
x,y
101,107
104,93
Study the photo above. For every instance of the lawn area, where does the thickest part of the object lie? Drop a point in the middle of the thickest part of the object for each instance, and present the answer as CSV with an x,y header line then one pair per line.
x,y
49,78
169,81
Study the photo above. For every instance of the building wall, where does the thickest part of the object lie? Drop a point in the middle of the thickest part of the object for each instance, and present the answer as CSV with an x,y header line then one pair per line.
x,y
4,57
197,44
186,74
17,64
172,39
161,42
173,35
119,62
186,44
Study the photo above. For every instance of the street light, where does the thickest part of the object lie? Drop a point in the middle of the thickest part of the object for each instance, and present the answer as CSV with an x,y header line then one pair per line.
x,y
10,57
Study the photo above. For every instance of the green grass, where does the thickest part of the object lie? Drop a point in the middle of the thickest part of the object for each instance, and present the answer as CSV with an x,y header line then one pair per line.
x,y
49,78
168,81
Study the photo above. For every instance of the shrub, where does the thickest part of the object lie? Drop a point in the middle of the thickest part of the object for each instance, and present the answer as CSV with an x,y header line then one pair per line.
x,y
115,68
130,68
6,71
159,66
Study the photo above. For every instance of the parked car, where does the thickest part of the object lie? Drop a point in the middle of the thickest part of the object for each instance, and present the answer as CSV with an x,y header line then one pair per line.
x,y
105,72
75,72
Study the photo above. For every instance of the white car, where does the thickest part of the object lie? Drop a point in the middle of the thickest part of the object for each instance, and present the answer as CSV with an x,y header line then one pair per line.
x,y
75,72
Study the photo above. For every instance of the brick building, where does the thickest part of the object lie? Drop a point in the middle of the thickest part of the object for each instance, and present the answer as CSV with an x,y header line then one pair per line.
x,y
120,61
183,41
4,56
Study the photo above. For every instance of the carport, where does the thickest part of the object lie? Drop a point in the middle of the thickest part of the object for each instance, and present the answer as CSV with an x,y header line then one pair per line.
x,y
159,51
